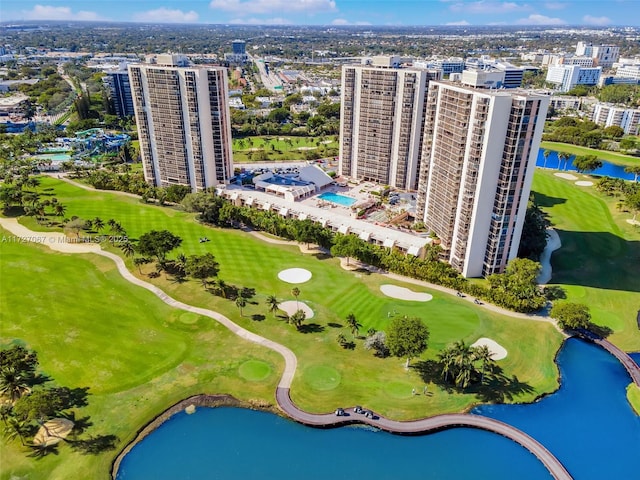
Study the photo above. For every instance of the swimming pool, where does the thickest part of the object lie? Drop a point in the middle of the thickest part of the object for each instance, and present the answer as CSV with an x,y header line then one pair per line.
x,y
336,198
54,157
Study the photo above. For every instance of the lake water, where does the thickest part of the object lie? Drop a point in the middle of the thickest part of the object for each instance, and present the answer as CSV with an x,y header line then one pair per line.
x,y
607,169
588,424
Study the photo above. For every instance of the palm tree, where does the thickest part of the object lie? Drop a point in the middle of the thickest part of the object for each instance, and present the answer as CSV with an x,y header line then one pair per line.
x,y
297,318
13,384
98,224
446,359
127,248
563,156
295,291
546,154
463,360
222,287
635,169
483,354
353,324
241,302
59,210
138,262
273,303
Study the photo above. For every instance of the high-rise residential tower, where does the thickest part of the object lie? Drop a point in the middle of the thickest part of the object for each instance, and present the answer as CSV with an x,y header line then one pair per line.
x,y
119,91
183,122
479,152
381,121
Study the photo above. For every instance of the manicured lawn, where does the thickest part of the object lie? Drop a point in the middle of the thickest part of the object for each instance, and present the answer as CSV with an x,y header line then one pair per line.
x,y
612,157
633,395
283,147
136,355
598,262
182,354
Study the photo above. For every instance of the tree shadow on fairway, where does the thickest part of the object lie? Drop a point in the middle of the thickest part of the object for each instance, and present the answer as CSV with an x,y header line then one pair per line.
x,y
496,387
94,445
258,317
543,200
311,328
335,325
322,255
597,259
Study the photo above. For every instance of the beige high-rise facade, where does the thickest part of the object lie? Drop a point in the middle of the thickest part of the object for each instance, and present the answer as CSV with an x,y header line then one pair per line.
x,y
381,121
479,152
183,122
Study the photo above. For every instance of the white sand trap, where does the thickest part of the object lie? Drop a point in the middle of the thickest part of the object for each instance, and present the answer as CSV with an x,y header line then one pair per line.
x,y
402,293
295,275
584,183
633,222
292,306
566,176
498,352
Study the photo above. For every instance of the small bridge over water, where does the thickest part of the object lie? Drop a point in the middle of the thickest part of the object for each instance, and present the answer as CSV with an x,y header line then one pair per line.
x,y
627,362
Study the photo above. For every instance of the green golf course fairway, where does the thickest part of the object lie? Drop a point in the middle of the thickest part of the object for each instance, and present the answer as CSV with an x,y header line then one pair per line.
x,y
598,263
76,311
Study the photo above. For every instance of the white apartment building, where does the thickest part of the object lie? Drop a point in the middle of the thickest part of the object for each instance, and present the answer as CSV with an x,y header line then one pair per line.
x,y
478,159
382,111
603,55
568,76
629,71
183,122
609,115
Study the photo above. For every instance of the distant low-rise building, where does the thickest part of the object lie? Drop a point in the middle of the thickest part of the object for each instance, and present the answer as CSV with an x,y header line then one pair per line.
x,y
607,115
568,76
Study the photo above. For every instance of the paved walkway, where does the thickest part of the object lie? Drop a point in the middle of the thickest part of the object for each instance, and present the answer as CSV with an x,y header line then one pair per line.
x,y
440,422
553,244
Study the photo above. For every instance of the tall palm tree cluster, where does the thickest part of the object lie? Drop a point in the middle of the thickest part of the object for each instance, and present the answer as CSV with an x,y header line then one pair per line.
x,y
463,364
21,191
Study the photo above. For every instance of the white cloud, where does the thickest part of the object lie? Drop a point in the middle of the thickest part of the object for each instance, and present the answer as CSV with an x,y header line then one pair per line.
x,y
536,19
259,21
459,22
166,15
247,7
555,5
483,6
343,21
48,12
600,21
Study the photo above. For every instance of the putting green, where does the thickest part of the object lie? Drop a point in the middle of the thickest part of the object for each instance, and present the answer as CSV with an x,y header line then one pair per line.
x,y
254,370
189,318
399,389
321,377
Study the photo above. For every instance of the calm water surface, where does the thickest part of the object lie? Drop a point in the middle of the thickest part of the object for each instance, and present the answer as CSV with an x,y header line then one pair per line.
x,y
588,424
607,169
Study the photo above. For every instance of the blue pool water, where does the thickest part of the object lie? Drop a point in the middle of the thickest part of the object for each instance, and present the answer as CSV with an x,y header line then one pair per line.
x,y
54,157
607,169
588,424
337,198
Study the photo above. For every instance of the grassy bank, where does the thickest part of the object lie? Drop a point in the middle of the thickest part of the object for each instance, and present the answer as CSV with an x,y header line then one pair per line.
x,y
613,157
598,261
138,356
633,395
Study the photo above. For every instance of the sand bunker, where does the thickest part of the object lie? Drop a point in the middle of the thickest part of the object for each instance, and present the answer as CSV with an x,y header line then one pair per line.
x,y
402,293
53,432
566,176
292,306
584,183
633,222
295,275
498,352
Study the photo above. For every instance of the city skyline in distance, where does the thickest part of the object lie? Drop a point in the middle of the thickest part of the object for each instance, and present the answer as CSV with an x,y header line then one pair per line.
x,y
333,12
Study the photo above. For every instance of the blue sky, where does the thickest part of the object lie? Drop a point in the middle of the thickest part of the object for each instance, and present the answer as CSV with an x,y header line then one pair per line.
x,y
333,12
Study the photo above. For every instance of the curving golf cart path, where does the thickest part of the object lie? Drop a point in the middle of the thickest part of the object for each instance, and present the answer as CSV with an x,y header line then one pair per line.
x,y
59,242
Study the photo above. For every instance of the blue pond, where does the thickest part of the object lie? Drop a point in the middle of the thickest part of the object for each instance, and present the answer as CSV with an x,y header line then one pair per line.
x,y
588,424
607,169
337,198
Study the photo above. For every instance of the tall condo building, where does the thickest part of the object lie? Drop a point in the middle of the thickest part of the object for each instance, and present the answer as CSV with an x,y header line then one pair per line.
x,y
119,91
183,123
479,153
381,121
